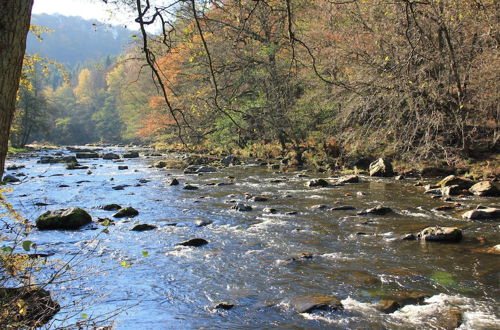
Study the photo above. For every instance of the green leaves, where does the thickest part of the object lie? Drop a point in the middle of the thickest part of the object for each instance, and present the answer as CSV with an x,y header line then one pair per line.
x,y
27,245
145,254
7,249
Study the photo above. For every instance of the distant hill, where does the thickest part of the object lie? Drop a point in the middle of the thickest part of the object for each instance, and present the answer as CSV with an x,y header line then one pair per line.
x,y
76,40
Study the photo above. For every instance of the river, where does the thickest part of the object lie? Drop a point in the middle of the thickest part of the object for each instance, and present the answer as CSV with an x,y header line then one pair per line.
x,y
262,262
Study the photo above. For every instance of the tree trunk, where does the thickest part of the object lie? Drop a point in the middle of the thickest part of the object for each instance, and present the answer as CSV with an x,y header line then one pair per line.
x,y
14,25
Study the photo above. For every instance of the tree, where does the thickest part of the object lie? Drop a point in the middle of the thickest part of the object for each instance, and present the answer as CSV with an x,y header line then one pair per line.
x,y
14,26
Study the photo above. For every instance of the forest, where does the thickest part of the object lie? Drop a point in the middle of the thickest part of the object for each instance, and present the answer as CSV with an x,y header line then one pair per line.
x,y
251,164
405,79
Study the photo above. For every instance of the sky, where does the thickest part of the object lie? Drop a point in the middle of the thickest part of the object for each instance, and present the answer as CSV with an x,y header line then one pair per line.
x,y
88,9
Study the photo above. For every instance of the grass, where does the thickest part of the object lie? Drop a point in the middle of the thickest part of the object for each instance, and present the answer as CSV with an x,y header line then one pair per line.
x,y
13,150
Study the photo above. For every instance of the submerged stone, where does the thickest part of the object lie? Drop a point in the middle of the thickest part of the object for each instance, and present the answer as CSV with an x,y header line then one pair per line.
x,y
310,304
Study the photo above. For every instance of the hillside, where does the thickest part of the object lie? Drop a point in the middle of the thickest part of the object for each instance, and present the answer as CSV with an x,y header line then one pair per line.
x,y
75,40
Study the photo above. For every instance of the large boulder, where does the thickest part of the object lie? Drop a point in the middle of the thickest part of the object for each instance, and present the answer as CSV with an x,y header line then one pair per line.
x,y
440,234
484,188
70,219
37,307
453,180
482,214
381,167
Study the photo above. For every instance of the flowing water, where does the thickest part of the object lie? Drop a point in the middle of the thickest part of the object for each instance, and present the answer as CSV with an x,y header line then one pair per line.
x,y
359,259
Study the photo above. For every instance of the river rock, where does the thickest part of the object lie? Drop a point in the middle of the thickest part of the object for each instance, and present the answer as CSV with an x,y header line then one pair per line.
x,y
206,169
428,172
131,154
196,242
453,190
191,169
120,187
126,212
190,187
259,199
54,160
230,161
86,155
343,208
111,207
377,210
110,156
299,257
269,210
452,180
381,167
122,167
14,167
309,304
317,183
484,188
160,164
173,182
70,218
39,307
449,319
319,207
440,234
223,305
202,222
348,179
392,304
143,227
482,214
10,179
241,207
491,250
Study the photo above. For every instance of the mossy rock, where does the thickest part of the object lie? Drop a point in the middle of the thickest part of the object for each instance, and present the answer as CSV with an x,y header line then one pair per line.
x,y
69,219
126,212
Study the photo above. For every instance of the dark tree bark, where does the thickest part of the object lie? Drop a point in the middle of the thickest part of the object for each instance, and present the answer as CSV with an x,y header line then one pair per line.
x,y
15,18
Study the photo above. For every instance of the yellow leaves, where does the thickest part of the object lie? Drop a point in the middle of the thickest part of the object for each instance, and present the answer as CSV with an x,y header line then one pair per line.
x,y
22,307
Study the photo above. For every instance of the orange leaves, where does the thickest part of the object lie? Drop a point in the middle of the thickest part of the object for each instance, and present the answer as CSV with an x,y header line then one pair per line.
x,y
154,124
